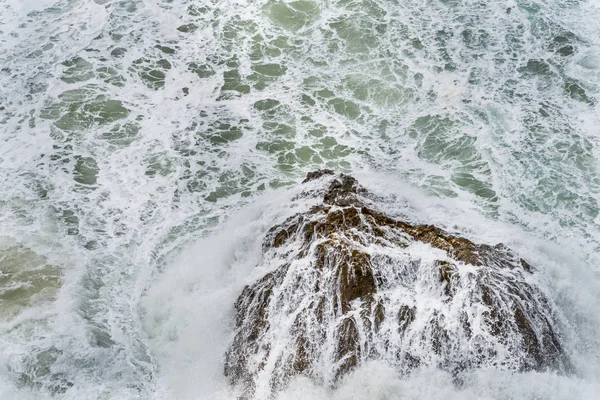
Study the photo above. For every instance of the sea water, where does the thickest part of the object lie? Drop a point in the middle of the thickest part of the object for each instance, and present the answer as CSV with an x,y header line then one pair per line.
x,y
147,146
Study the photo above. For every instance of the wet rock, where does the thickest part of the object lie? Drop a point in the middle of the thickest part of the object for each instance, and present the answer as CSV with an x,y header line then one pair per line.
x,y
317,174
355,284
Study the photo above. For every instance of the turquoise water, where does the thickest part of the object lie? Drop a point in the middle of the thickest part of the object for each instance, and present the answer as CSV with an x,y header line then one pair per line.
x,y
146,146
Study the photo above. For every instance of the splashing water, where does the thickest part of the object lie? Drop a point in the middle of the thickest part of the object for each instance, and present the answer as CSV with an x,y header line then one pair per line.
x,y
147,147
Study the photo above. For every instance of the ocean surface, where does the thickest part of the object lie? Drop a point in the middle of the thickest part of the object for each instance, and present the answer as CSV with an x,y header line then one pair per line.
x,y
146,146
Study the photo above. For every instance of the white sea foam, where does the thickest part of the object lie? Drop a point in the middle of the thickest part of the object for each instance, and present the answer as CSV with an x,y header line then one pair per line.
x,y
477,117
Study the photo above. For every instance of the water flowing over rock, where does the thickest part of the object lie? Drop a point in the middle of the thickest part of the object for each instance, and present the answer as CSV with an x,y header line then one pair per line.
x,y
354,285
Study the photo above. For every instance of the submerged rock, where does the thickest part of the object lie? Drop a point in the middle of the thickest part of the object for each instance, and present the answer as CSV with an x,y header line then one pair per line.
x,y
355,285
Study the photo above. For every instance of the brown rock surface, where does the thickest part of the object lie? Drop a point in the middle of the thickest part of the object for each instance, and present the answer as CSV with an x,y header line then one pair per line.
x,y
351,287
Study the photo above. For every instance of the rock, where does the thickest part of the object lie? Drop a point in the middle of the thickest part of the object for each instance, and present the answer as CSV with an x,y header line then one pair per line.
x,y
311,176
355,285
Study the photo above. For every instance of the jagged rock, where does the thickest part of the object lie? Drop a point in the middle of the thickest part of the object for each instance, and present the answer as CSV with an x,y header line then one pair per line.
x,y
355,284
311,176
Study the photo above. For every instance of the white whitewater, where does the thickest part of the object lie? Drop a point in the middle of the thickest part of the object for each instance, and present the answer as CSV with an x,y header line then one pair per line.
x,y
147,146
